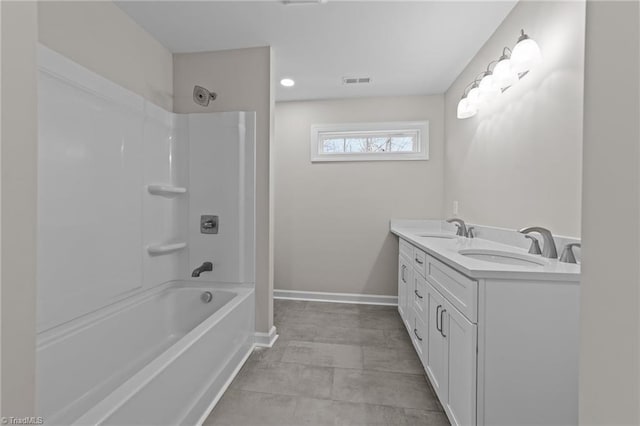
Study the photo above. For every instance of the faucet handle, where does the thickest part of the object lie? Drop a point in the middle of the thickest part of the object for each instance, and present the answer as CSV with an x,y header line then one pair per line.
x,y
567,255
471,232
535,245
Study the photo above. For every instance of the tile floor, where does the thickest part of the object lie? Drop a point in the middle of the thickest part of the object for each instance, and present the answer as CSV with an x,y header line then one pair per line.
x,y
333,364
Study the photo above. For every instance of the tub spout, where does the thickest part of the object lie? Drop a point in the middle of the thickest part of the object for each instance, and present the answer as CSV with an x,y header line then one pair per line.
x,y
206,266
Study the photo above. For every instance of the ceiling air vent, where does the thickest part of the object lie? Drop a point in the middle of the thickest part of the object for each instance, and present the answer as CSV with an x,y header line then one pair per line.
x,y
290,2
356,80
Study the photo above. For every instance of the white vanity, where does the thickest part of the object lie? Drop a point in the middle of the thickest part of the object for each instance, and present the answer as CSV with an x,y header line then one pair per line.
x,y
496,328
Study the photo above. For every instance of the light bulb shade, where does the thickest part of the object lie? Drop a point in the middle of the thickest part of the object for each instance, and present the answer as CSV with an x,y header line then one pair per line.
x,y
525,56
465,110
473,97
504,75
488,88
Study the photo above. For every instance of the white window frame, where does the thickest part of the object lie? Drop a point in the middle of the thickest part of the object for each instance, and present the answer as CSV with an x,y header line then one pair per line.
x,y
422,153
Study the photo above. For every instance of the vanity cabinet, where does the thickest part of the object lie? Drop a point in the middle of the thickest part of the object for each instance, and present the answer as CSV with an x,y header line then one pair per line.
x,y
498,349
443,337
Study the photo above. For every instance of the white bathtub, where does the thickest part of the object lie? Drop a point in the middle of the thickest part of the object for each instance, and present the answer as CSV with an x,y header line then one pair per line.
x,y
162,357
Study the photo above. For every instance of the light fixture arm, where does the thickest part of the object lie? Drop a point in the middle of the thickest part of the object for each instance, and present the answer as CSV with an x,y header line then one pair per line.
x,y
489,70
506,54
469,86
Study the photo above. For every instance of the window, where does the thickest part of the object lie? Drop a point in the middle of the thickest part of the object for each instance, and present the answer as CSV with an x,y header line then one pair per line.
x,y
370,141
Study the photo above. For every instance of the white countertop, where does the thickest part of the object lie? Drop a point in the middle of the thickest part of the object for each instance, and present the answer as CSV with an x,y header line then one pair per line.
x,y
446,250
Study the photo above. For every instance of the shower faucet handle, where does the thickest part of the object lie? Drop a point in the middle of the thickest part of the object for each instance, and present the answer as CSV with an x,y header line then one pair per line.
x,y
209,224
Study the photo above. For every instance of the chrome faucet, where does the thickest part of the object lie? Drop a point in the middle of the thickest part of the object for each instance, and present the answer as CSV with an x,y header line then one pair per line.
x,y
206,266
549,247
462,228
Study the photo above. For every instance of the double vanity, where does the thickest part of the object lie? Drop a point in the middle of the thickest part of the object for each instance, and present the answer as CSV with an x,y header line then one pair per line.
x,y
496,327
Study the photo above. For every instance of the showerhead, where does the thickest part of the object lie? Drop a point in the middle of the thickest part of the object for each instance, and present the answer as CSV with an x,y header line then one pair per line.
x,y
202,96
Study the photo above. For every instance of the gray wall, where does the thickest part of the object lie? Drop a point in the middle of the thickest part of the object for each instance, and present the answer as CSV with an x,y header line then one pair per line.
x,y
19,170
518,161
610,286
242,80
101,37
332,219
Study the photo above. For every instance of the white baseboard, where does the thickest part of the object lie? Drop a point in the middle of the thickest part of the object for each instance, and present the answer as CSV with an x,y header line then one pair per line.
x,y
266,340
316,296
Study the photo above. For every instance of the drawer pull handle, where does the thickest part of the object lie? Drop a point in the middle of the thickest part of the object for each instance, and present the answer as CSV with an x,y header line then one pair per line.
x,y
441,323
404,268
415,331
437,313
418,294
419,261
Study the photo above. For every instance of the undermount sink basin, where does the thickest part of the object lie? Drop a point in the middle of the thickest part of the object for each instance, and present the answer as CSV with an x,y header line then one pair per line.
x,y
502,257
436,235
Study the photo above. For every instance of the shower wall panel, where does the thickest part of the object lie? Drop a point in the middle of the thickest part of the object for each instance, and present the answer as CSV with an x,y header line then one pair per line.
x,y
221,183
100,145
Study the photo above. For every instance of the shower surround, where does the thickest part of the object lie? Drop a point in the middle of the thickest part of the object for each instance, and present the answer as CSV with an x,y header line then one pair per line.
x,y
122,184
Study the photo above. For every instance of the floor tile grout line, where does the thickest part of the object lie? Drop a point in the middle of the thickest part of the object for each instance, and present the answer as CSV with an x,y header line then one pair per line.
x,y
333,366
341,400
336,400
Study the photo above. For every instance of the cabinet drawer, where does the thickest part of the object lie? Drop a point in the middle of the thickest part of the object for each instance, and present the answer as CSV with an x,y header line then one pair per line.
x,y
419,261
406,249
459,289
419,296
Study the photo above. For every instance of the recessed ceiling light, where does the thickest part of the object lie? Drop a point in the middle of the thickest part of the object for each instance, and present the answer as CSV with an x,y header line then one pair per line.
x,y
287,82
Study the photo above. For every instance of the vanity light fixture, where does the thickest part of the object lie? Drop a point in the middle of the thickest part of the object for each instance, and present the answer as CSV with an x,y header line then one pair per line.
x,y
287,82
507,71
526,54
503,72
488,88
467,107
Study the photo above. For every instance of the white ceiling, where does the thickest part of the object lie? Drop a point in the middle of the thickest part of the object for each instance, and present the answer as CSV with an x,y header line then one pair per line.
x,y
412,47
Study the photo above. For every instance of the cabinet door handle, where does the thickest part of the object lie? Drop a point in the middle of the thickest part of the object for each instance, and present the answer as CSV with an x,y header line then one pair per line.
x,y
418,294
404,268
441,323
415,331
419,261
437,312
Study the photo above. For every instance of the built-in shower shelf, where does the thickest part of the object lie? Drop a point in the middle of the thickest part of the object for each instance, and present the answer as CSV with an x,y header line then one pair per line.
x,y
161,249
166,190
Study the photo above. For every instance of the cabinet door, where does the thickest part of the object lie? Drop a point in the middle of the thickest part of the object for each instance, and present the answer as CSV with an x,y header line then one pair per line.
x,y
437,348
461,390
405,278
408,308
